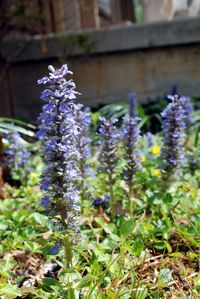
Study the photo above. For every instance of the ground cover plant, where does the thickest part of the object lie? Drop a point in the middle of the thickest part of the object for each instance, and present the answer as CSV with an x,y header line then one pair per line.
x,y
97,207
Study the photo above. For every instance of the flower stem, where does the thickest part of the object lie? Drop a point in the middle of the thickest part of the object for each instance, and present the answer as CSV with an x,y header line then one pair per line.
x,y
112,200
63,212
68,251
68,256
131,199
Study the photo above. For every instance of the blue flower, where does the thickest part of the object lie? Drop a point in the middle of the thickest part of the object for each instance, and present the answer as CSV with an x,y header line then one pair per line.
x,y
108,157
173,135
55,249
45,201
17,155
110,137
101,201
60,133
187,107
131,134
84,121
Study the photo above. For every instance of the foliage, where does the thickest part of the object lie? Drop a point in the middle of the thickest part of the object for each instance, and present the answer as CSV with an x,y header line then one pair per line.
x,y
139,244
144,257
10,124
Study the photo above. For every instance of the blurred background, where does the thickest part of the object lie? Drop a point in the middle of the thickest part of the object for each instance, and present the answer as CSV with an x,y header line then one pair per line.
x,y
113,47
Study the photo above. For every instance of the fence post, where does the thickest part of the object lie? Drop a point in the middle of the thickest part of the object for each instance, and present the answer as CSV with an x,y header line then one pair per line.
x,y
122,10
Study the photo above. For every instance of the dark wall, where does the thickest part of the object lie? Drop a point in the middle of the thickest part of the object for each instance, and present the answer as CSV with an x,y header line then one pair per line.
x,y
107,65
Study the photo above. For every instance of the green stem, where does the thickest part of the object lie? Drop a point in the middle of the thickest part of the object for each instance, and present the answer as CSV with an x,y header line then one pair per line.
x,y
63,212
71,294
68,251
111,196
68,256
131,199
67,245
101,276
167,179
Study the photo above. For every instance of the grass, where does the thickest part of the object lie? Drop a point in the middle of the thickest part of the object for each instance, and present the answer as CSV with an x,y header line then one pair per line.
x,y
153,255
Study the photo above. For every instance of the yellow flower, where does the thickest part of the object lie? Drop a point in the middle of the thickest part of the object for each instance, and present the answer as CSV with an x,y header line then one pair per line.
x,y
156,172
143,158
194,194
34,175
155,150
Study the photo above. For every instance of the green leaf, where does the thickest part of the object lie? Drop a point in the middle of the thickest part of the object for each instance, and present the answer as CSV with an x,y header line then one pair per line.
x,y
142,293
10,290
196,136
85,281
16,121
31,245
138,246
32,291
46,250
39,218
3,226
101,296
4,274
165,275
168,246
127,227
9,127
100,221
48,281
168,198
160,245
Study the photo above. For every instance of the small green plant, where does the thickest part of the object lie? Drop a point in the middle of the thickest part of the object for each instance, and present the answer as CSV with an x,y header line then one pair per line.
x,y
139,231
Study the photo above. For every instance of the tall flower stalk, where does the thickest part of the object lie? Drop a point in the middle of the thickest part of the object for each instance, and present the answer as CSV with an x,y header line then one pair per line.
x,y
108,155
84,142
132,100
17,156
187,107
173,127
59,133
131,133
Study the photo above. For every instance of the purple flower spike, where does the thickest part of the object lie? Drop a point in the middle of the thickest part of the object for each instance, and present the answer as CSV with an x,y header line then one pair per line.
x,y
17,154
84,121
108,148
132,100
108,157
187,110
173,135
60,133
131,134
